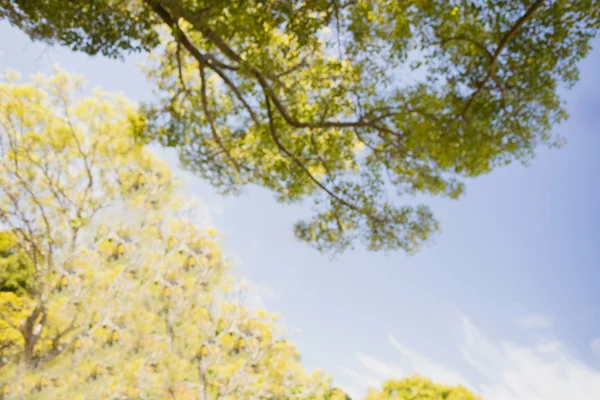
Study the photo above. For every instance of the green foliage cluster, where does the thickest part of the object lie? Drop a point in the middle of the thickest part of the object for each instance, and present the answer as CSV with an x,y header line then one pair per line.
x,y
418,388
314,100
96,27
17,271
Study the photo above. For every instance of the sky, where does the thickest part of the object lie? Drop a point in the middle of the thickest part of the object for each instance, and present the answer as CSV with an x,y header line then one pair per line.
x,y
505,300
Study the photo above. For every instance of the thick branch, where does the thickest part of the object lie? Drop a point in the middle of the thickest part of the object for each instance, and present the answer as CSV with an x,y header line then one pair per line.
x,y
204,59
503,43
284,150
258,74
27,330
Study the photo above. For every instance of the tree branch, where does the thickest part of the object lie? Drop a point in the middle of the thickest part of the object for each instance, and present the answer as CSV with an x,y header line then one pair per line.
x,y
258,74
205,59
210,119
503,43
284,150
470,40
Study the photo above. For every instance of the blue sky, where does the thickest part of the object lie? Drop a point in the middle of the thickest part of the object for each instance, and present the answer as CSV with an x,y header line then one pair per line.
x,y
505,300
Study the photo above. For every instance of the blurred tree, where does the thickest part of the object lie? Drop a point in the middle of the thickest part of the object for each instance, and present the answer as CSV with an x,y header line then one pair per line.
x,y
316,99
118,292
336,394
418,388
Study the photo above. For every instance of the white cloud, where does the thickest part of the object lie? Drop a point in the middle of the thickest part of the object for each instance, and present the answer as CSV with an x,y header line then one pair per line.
x,y
535,322
361,380
420,364
595,346
497,370
382,369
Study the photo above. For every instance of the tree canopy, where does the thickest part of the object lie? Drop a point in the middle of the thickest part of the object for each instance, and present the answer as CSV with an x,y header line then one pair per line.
x,y
354,105
418,388
110,288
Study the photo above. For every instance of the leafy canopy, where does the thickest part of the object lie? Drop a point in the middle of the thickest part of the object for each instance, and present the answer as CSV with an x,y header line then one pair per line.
x,y
418,388
355,105
109,288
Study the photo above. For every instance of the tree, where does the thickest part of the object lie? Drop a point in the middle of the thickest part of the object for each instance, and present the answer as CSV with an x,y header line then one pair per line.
x,y
129,296
417,388
312,100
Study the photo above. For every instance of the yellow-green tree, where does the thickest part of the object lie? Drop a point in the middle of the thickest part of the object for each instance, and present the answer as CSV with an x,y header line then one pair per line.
x,y
120,293
418,388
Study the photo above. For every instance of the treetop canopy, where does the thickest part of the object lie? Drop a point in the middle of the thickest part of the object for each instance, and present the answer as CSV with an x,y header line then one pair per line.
x,y
354,105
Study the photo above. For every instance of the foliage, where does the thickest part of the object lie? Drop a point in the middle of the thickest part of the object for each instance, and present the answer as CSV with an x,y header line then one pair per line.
x,y
417,388
131,298
336,394
315,99
16,269
115,31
